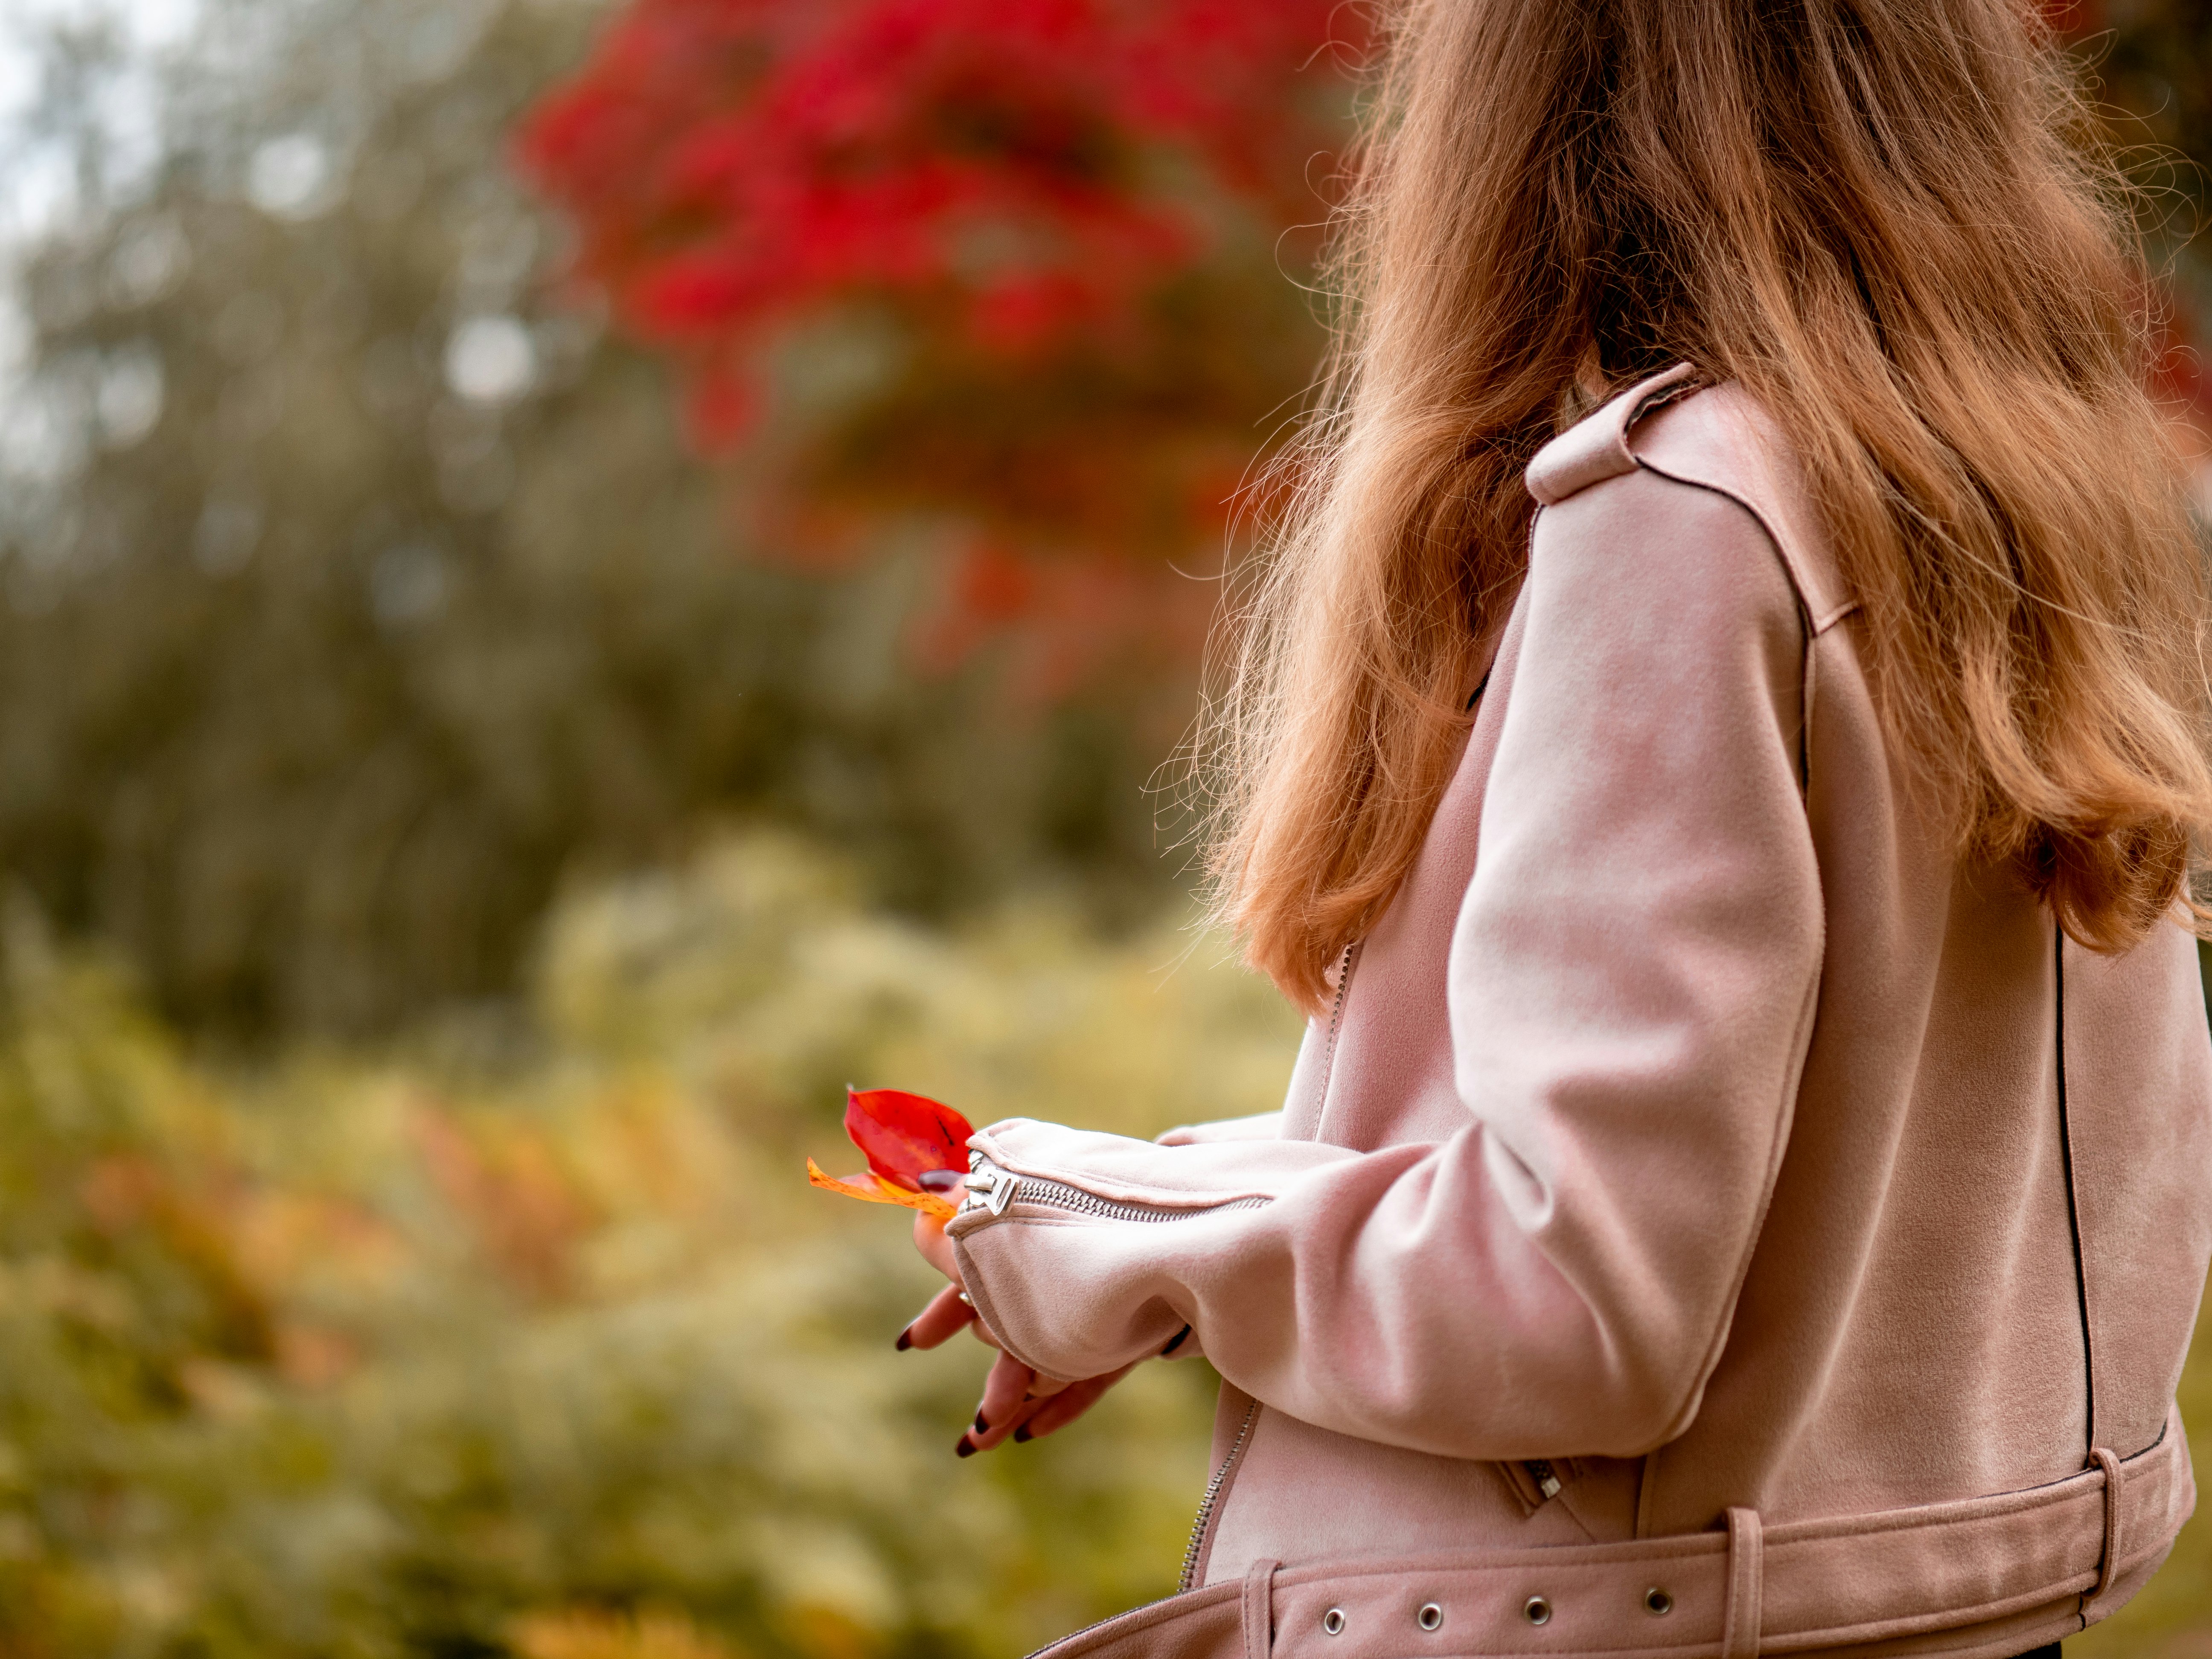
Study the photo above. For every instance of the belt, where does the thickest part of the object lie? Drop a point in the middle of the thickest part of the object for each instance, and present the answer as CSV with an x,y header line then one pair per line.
x,y
1736,1593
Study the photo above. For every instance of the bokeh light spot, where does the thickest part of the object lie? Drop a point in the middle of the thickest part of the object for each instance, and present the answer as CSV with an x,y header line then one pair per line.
x,y
290,177
490,360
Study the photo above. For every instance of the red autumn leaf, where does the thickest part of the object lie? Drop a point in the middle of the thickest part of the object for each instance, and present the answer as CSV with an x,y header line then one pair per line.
x,y
906,1136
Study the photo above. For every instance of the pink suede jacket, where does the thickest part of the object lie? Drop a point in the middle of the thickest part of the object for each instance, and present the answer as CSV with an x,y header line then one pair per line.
x,y
1713,1219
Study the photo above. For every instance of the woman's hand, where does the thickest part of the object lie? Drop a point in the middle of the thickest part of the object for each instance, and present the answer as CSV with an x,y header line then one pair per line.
x,y
1017,1403
936,1248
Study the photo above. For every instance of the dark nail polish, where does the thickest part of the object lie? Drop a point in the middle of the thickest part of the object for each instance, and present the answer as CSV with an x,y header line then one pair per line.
x,y
1021,1436
965,1448
981,1427
905,1340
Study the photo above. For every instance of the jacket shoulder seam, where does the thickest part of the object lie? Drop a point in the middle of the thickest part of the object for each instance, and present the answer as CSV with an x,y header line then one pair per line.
x,y
1817,621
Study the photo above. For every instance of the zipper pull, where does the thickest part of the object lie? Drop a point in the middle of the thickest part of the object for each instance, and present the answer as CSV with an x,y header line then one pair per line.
x,y
993,1186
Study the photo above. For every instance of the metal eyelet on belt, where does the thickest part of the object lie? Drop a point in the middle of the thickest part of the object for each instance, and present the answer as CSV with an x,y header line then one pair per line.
x,y
1657,1601
1431,1617
1333,1621
1537,1610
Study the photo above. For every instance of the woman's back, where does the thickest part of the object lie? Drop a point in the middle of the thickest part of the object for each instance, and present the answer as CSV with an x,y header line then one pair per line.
x,y
1723,1148
1917,1260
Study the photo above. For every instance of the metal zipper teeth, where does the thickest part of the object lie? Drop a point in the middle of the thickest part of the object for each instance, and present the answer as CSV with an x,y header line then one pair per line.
x,y
1214,1495
1027,1189
1220,1478
1073,1636
1335,1018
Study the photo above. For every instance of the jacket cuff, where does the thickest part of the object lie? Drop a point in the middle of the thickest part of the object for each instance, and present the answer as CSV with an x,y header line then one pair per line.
x,y
1078,1250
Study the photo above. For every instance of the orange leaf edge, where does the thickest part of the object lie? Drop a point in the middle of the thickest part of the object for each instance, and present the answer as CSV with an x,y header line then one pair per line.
x,y
882,1192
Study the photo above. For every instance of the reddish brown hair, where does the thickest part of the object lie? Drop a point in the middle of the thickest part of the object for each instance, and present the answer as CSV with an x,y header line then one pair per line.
x,y
1887,219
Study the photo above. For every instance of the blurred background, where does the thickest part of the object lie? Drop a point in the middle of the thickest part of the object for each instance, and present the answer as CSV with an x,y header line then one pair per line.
x,y
574,575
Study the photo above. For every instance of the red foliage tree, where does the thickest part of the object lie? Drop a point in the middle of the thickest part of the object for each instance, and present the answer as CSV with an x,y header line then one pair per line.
x,y
1020,268
1015,268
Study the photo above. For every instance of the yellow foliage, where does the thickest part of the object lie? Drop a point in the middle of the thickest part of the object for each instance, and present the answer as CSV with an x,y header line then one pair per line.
x,y
585,1634
385,1354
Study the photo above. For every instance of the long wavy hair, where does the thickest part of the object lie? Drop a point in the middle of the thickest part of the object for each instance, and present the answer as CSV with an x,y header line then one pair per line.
x,y
1892,222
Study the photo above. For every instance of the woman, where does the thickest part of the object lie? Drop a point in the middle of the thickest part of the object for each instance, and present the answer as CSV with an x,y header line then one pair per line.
x,y
1748,1179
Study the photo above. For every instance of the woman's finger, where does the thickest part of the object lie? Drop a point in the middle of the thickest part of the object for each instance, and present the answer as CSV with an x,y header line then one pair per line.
x,y
936,1248
1057,1410
1000,1432
1014,1397
1006,1392
941,1319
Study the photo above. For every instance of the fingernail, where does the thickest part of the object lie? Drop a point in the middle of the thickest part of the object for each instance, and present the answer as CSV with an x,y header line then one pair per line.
x,y
905,1340
1021,1436
965,1448
981,1427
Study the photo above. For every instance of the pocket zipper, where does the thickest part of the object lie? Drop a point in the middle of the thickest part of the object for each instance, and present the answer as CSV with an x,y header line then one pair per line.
x,y
995,1188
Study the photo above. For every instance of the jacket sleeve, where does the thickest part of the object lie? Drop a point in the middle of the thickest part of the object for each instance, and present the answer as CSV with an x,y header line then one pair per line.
x,y
1630,985
1260,1126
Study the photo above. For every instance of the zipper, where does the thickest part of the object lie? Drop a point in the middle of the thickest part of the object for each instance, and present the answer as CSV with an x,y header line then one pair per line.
x,y
1336,1020
1183,1585
1206,1504
1203,1522
1540,1472
997,1187
1059,1642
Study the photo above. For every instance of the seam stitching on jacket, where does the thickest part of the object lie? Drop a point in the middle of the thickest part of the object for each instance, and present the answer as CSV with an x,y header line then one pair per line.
x,y
1818,622
1810,626
1677,1420
2073,1207
980,1299
2066,1163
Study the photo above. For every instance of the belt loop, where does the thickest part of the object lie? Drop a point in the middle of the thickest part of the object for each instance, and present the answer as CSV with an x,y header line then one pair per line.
x,y
1259,1609
1746,1578
2110,1565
